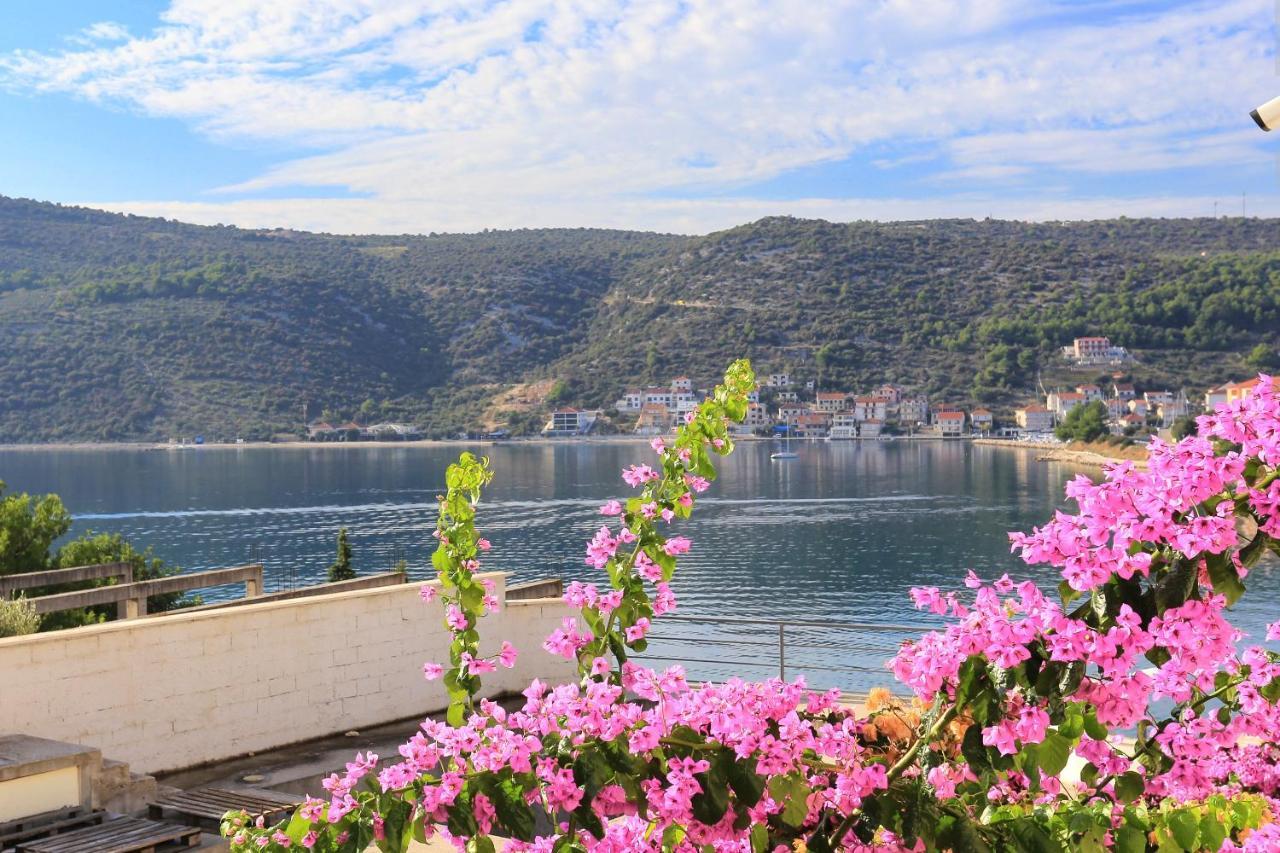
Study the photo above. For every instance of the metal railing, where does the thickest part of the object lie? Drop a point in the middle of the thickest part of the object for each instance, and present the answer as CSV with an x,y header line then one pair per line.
x,y
846,652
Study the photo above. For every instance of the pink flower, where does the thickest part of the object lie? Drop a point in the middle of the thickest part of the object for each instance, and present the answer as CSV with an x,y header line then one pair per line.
x,y
483,544
611,508
476,666
676,545
638,630
432,671
658,445
428,592
455,618
638,475
507,657
667,515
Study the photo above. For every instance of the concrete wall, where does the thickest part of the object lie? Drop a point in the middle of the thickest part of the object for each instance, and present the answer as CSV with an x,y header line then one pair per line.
x,y
175,691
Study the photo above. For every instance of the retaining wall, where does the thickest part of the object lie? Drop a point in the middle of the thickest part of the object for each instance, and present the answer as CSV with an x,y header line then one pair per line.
x,y
175,691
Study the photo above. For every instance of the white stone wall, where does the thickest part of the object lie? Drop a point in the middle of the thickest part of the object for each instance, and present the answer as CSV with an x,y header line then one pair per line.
x,y
175,691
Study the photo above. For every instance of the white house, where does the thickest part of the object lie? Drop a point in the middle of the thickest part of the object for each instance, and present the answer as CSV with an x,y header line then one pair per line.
x,y
1214,397
831,401
682,383
982,419
655,419
571,422
790,413
1090,392
757,416
1095,350
844,425
914,410
659,397
871,408
1034,418
1061,402
630,401
870,429
779,380
950,423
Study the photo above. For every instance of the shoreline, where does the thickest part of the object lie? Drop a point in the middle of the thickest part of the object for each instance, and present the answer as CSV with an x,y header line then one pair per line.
x,y
302,444
1063,453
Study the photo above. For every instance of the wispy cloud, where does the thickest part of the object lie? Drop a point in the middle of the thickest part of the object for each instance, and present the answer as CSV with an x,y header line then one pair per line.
x,y
452,114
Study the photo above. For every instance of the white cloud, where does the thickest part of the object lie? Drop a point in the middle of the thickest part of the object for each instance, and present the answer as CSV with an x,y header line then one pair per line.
x,y
451,113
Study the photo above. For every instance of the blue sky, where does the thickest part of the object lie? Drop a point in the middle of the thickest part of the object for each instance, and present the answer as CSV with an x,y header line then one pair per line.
x,y
675,115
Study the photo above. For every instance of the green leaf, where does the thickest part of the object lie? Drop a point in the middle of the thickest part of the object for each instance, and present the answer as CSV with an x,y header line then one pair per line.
x,y
1185,828
711,804
1129,786
747,784
513,812
1212,832
1226,580
1031,837
1173,589
1053,753
759,838
974,751
1092,727
1130,839
792,792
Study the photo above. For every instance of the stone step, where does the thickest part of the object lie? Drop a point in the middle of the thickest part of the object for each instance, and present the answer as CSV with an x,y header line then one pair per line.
x,y
120,791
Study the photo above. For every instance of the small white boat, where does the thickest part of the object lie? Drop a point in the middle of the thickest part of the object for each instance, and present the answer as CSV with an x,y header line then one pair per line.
x,y
785,452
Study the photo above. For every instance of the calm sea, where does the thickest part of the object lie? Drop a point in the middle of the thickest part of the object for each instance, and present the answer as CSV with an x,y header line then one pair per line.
x,y
838,535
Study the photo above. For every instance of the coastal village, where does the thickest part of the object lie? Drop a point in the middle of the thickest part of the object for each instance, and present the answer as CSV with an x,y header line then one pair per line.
x,y
790,406
797,408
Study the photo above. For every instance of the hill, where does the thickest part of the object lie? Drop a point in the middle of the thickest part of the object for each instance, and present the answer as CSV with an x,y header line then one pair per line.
x,y
119,327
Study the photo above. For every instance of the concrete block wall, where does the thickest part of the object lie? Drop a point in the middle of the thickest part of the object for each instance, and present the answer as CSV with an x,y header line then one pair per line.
x,y
171,692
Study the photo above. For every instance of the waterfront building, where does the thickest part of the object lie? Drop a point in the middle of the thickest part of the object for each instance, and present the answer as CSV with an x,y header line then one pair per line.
x,y
950,423
844,425
655,419
1034,418
630,401
831,401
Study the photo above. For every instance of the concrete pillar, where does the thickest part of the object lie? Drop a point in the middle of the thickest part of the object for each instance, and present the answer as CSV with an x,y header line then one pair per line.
x,y
135,607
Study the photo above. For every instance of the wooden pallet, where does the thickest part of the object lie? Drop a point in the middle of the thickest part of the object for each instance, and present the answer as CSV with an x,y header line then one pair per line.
x,y
47,823
121,835
206,806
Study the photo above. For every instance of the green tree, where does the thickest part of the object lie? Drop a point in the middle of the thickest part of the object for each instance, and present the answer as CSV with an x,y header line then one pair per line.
x,y
93,549
28,528
1264,357
1183,427
1084,423
342,570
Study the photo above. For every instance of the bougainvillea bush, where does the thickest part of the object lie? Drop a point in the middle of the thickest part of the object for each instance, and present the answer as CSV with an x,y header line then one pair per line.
x,y
1120,710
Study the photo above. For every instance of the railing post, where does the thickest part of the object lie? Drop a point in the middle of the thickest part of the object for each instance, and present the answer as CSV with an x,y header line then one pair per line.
x,y
782,652
253,585
135,607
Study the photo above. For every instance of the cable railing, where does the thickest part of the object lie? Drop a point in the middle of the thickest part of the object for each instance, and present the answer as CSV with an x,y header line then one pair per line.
x,y
851,656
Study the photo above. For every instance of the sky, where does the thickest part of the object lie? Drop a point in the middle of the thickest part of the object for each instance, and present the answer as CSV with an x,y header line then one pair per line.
x,y
413,116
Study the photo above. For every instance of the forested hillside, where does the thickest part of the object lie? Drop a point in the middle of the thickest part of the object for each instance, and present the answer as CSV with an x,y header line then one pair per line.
x,y
116,327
